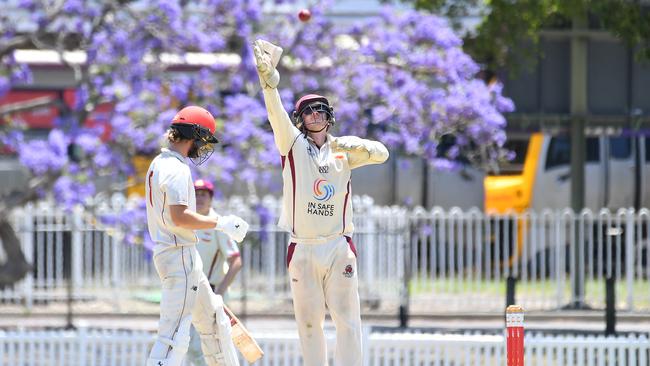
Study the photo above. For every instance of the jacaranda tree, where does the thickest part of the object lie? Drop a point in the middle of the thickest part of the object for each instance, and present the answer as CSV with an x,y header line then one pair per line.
x,y
401,78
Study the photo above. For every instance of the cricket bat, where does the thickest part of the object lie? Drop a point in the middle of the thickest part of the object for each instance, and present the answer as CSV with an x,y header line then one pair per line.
x,y
242,339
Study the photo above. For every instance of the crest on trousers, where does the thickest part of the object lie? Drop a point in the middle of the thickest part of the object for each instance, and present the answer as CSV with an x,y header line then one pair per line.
x,y
349,271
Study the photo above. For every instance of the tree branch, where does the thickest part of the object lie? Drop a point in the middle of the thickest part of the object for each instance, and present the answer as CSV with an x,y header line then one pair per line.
x,y
28,105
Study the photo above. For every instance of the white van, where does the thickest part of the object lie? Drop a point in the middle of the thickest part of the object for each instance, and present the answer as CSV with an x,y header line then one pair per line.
x,y
617,173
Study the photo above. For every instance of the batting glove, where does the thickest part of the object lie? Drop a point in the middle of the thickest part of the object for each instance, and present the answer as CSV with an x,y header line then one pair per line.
x,y
267,57
233,226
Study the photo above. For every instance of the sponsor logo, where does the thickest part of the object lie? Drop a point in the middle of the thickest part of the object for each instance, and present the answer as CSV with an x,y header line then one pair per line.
x,y
349,271
323,190
324,169
320,209
310,151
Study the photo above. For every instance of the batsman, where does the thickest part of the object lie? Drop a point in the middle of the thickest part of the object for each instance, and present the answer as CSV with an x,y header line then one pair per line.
x,y
172,220
317,212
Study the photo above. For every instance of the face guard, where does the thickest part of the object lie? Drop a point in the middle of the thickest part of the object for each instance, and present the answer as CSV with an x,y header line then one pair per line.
x,y
310,104
200,152
322,109
202,145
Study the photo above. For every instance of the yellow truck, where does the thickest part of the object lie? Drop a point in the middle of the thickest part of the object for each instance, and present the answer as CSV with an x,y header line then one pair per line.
x,y
617,173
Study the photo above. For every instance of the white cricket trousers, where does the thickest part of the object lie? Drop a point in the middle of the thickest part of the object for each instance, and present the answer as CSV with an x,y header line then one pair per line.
x,y
324,276
188,299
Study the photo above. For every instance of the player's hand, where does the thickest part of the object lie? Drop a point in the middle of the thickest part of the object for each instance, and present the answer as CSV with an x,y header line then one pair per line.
x,y
267,57
348,144
233,226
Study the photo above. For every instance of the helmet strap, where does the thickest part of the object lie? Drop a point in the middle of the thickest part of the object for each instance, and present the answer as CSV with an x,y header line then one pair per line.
x,y
312,131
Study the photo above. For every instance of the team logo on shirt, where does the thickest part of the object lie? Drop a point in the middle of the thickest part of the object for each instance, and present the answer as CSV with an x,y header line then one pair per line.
x,y
310,151
349,271
323,190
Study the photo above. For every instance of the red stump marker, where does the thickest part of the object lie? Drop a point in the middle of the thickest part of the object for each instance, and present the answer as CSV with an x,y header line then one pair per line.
x,y
515,335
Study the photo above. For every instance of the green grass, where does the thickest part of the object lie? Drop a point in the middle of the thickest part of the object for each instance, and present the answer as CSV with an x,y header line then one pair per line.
x,y
594,290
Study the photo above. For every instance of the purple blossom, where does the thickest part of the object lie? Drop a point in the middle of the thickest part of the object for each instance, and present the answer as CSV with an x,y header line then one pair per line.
x,y
401,78
21,74
88,142
12,139
72,6
70,192
58,142
102,157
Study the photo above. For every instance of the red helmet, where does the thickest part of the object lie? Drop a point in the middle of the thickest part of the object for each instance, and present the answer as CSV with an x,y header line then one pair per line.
x,y
196,123
202,184
308,100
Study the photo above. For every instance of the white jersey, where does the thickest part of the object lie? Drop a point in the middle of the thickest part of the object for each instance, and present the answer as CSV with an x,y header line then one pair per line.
x,y
168,182
215,248
316,200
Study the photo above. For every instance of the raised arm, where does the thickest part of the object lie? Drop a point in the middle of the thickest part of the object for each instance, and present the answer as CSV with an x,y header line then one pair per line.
x,y
267,57
360,151
284,131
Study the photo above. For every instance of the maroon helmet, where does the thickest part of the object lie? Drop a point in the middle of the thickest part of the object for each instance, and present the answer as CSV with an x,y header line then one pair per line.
x,y
203,184
312,103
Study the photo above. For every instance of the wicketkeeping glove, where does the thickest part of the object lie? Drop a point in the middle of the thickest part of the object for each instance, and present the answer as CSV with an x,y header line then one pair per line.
x,y
267,57
349,144
360,150
233,226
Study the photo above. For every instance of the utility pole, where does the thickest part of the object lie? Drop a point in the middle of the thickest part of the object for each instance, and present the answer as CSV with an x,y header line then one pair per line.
x,y
578,146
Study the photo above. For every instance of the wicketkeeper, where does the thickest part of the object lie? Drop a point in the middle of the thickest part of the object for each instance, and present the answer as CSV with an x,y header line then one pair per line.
x,y
317,212
172,219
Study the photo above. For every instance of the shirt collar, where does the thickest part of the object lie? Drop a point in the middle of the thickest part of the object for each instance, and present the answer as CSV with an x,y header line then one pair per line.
x,y
327,140
175,154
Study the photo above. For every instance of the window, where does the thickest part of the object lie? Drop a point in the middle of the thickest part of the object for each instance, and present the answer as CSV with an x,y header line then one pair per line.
x,y
519,146
620,147
559,152
593,149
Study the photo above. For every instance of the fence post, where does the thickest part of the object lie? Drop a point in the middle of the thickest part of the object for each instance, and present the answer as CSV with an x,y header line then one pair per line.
x,y
77,246
371,241
82,335
576,260
117,246
27,239
74,278
629,256
558,257
610,305
405,291
271,268
366,332
510,290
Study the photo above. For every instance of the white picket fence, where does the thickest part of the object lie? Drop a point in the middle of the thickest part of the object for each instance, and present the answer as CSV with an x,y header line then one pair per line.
x,y
86,347
450,258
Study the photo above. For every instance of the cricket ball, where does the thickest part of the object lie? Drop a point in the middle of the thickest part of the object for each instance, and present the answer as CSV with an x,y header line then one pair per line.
x,y
304,15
